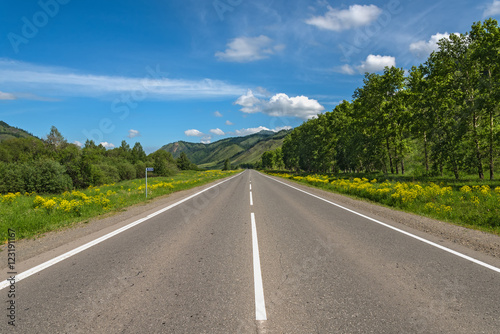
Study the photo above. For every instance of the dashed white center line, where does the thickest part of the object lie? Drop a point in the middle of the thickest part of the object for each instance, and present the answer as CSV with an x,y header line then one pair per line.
x,y
250,186
260,305
251,199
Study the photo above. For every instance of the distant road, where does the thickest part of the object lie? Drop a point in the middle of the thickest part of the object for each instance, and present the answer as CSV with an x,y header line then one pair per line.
x,y
254,255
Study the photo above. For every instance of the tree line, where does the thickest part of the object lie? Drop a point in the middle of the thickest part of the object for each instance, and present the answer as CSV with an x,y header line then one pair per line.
x,y
53,165
440,116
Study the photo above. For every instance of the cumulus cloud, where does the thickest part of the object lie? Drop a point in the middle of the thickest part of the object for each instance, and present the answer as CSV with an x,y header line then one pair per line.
x,y
77,143
251,131
217,114
217,132
354,17
492,9
280,105
247,49
133,133
372,64
7,96
193,133
423,49
375,63
107,145
228,122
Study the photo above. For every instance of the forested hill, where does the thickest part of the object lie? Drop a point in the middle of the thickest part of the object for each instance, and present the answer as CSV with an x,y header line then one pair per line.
x,y
7,132
239,150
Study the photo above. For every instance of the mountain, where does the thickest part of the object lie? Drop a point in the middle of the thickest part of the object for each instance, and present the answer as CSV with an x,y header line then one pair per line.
x,y
239,150
7,132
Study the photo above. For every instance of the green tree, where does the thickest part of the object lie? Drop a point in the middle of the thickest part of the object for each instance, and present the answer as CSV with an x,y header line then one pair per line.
x,y
183,162
227,165
138,153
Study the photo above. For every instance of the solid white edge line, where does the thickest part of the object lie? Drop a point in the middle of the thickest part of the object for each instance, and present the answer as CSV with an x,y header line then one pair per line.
x,y
466,257
251,199
260,305
77,250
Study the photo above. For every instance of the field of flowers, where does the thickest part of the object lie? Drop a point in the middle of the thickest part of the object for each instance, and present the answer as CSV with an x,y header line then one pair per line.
x,y
473,206
30,214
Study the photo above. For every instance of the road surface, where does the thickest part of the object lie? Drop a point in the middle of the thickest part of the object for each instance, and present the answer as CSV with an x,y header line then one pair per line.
x,y
254,255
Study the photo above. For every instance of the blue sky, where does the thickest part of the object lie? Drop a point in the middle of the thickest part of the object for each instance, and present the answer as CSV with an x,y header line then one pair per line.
x,y
161,71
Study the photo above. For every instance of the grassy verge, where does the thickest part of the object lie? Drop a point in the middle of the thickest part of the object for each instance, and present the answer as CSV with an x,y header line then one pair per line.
x,y
475,206
33,214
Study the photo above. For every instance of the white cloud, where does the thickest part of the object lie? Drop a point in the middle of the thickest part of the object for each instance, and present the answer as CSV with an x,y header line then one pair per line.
x,y
228,122
107,145
133,133
354,17
206,139
77,143
492,9
193,133
251,131
55,81
423,49
217,114
7,96
247,49
376,63
280,105
346,69
217,132
249,103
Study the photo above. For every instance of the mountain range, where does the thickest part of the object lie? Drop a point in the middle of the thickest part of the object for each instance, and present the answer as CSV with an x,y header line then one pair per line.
x,y
245,150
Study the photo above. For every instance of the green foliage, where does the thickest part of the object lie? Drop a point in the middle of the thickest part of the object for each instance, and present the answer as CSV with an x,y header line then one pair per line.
x,y
163,163
52,165
183,163
441,117
227,165
43,176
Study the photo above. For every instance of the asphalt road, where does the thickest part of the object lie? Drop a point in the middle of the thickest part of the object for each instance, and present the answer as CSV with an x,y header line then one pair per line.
x,y
193,269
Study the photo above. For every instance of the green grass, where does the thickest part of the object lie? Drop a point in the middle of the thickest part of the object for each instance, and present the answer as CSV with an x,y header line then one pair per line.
x,y
470,203
31,215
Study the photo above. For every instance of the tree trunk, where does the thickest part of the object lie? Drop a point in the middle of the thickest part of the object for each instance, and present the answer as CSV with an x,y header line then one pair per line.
x,y
455,169
491,144
491,131
402,166
390,156
476,143
426,153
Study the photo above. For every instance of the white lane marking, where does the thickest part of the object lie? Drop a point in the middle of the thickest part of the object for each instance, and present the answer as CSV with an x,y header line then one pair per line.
x,y
260,305
251,199
466,257
66,255
250,186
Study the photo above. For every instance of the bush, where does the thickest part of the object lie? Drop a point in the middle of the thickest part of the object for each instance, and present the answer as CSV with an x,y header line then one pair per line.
x,y
126,171
45,176
140,169
109,174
